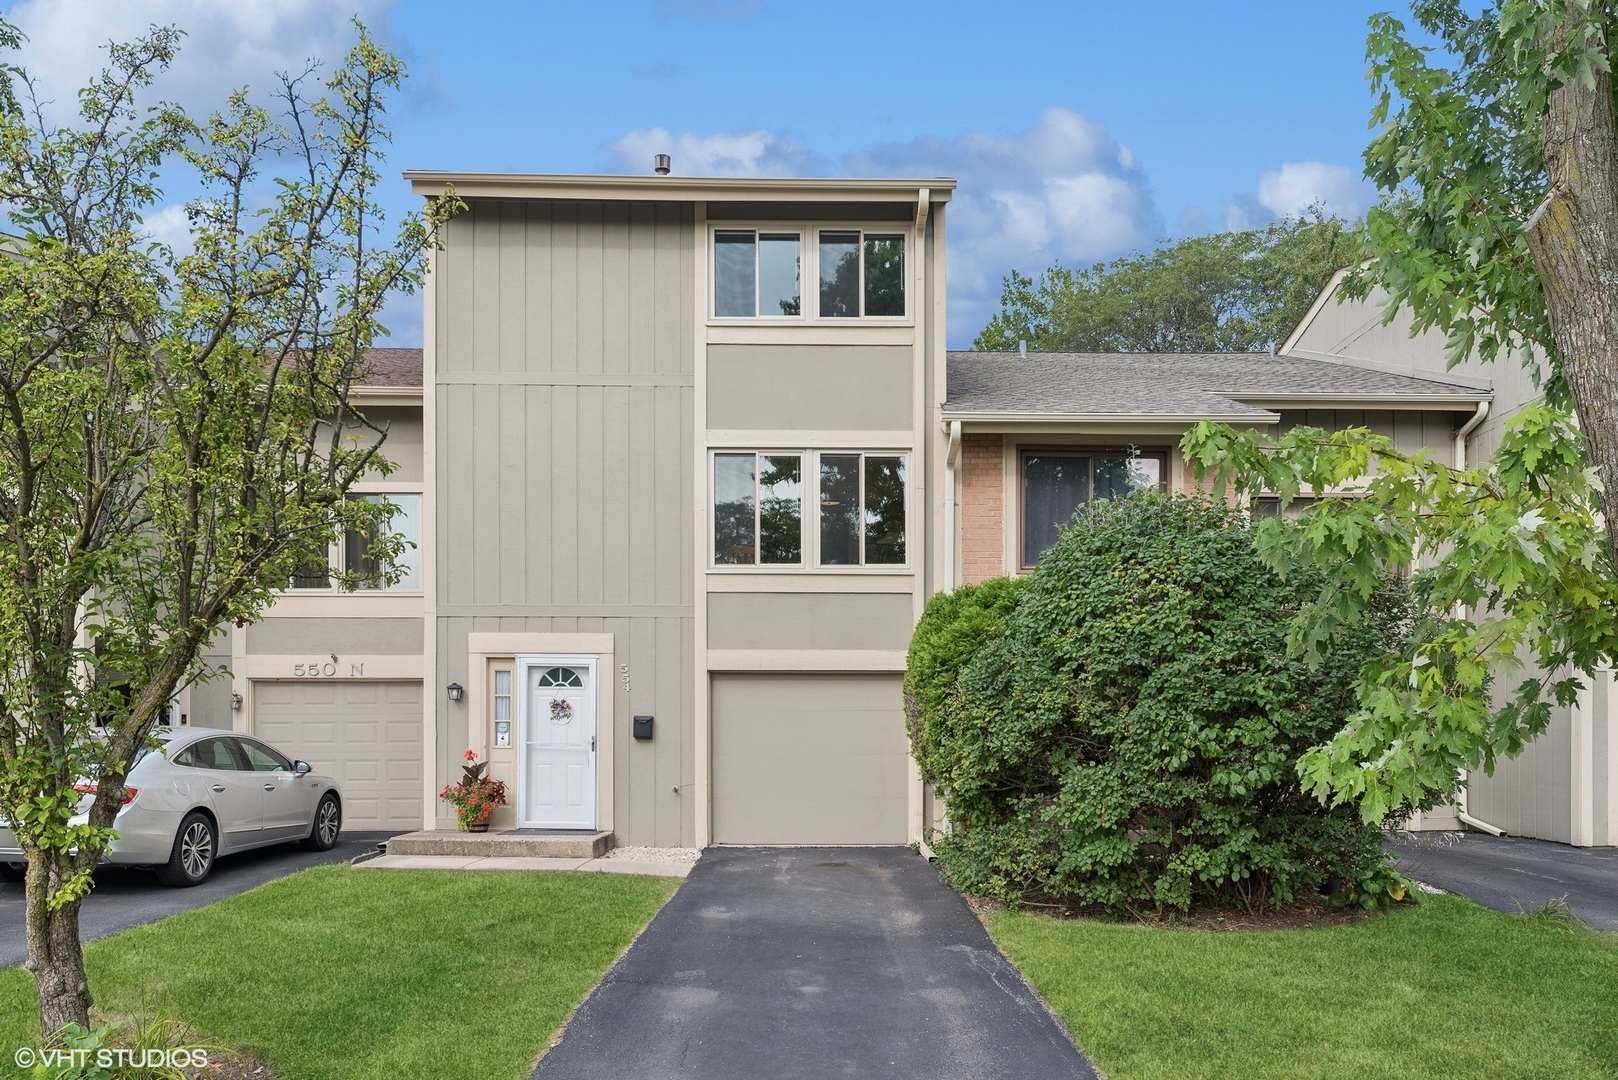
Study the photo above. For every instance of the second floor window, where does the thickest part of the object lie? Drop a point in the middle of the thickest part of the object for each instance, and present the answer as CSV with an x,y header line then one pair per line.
x,y
759,518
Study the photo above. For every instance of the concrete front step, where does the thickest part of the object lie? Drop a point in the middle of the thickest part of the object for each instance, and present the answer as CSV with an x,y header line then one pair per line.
x,y
514,843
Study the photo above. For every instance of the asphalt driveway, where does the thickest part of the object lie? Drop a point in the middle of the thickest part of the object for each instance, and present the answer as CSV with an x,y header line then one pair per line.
x,y
813,962
1511,873
125,898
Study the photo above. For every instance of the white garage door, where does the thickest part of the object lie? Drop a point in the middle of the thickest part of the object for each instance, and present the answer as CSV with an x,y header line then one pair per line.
x,y
367,735
809,759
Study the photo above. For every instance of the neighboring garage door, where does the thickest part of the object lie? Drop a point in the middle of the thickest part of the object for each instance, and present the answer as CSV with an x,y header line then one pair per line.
x,y
366,735
809,759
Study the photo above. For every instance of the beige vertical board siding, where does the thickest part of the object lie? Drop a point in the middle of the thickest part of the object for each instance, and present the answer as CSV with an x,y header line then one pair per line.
x,y
1530,795
562,498
700,791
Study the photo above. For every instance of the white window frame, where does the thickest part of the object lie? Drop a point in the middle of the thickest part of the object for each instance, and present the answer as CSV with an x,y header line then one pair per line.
x,y
809,272
809,518
334,550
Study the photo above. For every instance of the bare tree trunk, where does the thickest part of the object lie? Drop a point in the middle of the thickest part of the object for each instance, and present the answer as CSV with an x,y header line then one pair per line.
x,y
1573,239
55,956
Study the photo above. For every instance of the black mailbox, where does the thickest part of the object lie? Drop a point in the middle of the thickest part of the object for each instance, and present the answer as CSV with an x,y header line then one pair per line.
x,y
643,727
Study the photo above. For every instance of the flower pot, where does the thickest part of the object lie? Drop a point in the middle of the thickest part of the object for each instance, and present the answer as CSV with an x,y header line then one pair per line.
x,y
481,824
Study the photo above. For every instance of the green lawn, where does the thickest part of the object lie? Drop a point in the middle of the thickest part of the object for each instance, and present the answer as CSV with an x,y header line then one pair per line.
x,y
342,973
1443,989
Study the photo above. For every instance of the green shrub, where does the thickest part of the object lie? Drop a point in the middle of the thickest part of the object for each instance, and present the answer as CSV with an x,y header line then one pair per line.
x,y
1126,735
951,631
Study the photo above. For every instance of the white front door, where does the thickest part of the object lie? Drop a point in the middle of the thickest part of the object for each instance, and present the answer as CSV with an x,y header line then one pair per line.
x,y
558,724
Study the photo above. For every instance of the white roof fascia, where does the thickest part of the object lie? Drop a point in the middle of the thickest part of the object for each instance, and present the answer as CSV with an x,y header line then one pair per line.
x,y
473,185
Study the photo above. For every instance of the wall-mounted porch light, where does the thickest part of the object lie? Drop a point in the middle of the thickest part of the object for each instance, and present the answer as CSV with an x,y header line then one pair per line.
x,y
454,691
235,703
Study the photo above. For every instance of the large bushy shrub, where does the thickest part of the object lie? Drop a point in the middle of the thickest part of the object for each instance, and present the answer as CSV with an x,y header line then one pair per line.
x,y
1122,728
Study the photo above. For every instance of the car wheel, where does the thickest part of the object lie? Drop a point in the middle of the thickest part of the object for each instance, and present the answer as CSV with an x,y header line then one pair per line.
x,y
195,847
13,871
328,823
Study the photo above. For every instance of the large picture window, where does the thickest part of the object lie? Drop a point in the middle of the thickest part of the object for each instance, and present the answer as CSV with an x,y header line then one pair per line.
x,y
758,510
1055,483
756,274
758,516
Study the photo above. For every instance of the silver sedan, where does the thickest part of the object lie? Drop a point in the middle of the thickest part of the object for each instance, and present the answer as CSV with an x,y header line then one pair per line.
x,y
206,793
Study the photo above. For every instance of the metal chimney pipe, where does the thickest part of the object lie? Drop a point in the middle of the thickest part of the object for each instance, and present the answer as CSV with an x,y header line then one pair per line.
x,y
661,167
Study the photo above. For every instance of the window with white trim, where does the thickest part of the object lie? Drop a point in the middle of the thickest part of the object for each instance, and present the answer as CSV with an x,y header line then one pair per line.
x,y
852,272
355,555
757,274
759,518
861,274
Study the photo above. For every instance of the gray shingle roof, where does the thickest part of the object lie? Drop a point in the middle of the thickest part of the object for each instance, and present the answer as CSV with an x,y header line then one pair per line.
x,y
1212,385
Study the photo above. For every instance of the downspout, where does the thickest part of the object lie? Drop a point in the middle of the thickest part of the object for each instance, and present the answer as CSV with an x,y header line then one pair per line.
x,y
951,456
1460,613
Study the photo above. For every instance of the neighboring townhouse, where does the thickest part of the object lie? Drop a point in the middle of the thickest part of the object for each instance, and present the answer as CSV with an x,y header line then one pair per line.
x,y
335,676
1564,786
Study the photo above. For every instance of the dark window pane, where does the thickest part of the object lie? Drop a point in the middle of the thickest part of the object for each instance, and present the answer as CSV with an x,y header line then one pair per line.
x,y
1117,477
884,510
358,559
778,290
780,509
839,275
884,275
839,509
215,754
733,509
733,269
262,758
1053,486
314,575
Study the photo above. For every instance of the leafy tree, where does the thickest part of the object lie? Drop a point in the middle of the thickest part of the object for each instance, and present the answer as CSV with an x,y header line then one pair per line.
x,y
1500,229
175,432
1121,729
1228,292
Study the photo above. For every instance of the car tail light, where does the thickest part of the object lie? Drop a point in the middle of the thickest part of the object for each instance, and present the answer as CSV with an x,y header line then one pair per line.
x,y
90,789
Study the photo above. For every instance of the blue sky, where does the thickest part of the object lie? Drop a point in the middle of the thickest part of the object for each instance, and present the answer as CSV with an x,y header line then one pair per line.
x,y
1079,131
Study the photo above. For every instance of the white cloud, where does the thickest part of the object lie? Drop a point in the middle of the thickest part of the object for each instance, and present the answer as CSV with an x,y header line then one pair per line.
x,y
750,153
1298,185
1060,190
226,45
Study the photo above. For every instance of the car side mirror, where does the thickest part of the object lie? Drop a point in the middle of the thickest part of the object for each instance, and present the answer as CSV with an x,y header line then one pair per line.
x,y
301,767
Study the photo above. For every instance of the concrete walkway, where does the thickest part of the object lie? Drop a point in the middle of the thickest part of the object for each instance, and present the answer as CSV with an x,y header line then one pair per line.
x,y
1511,873
526,862
813,962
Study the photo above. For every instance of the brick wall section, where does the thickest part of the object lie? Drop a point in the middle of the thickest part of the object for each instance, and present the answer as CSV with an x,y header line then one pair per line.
x,y
983,508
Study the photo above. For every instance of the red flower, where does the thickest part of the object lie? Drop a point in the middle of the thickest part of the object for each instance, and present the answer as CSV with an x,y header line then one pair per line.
x,y
471,755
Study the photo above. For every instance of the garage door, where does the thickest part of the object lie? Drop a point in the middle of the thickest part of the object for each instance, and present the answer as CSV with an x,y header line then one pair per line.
x,y
809,759
365,734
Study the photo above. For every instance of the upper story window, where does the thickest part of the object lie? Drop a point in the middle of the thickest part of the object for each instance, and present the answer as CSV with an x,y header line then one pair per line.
x,y
853,273
356,556
1055,483
757,274
861,274
759,519
758,509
